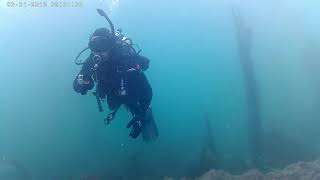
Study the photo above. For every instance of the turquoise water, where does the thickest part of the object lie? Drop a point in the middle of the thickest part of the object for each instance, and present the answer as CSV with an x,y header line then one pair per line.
x,y
195,69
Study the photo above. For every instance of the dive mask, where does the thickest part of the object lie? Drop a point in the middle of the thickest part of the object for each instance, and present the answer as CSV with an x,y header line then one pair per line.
x,y
100,44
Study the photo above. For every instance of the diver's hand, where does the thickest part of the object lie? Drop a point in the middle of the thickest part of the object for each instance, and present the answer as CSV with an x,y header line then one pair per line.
x,y
82,86
81,81
136,124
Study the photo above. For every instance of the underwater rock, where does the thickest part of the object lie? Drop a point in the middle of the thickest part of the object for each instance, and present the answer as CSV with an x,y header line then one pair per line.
x,y
12,170
299,170
167,178
216,174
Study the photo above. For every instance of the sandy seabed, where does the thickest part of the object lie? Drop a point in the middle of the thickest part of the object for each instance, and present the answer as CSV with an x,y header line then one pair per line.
x,y
296,171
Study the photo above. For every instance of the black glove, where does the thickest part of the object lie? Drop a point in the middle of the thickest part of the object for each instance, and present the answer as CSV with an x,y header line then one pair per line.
x,y
136,124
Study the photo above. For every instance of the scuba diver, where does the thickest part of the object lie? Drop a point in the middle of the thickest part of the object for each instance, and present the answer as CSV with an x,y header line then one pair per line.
x,y
116,69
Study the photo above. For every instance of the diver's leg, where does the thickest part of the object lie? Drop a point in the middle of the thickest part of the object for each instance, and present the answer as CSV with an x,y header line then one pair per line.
x,y
113,102
140,92
139,104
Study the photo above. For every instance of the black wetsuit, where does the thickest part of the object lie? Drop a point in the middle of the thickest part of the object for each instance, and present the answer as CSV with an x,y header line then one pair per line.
x,y
120,79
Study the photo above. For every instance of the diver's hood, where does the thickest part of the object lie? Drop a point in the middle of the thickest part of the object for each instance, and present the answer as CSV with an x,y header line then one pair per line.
x,y
101,40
